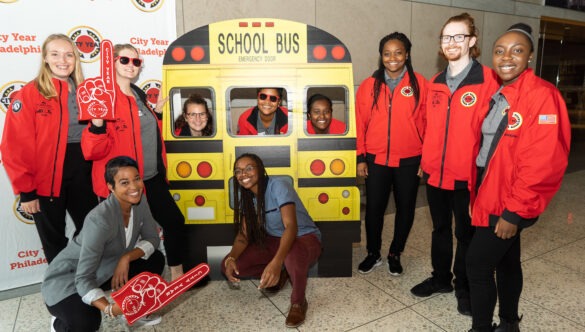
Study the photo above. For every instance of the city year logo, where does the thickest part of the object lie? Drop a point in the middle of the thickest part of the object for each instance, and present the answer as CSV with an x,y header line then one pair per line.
x,y
515,121
7,93
151,88
20,214
88,42
468,99
407,91
148,5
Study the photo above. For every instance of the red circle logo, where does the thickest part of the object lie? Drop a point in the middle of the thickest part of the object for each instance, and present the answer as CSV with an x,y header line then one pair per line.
x,y
148,5
87,40
152,89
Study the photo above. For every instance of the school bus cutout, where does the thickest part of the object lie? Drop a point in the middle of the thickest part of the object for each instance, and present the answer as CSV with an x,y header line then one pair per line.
x,y
225,63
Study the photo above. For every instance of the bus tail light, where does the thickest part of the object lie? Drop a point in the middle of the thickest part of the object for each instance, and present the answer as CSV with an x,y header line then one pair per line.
x,y
337,166
199,200
317,167
345,210
204,169
323,198
184,169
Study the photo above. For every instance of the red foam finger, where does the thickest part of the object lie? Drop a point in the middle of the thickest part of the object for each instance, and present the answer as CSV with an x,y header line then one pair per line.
x,y
148,292
107,64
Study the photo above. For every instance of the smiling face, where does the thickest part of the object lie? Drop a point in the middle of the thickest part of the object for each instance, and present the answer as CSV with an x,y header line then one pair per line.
x,y
128,186
267,107
320,115
60,58
246,173
127,71
453,50
511,56
196,117
394,57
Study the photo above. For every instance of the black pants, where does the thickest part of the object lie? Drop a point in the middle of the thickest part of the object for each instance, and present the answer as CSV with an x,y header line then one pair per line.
x,y
380,181
73,315
444,205
76,197
488,253
167,214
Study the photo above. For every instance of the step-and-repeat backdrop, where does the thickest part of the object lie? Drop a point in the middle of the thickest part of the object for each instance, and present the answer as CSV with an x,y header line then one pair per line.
x,y
149,25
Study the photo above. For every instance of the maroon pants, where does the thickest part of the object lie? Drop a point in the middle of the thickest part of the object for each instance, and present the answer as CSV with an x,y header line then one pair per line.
x,y
302,255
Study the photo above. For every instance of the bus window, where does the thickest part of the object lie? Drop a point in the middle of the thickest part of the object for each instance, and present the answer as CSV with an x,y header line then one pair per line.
x,y
326,111
243,110
193,111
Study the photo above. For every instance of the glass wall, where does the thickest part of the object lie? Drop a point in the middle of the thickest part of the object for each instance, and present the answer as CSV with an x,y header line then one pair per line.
x,y
561,61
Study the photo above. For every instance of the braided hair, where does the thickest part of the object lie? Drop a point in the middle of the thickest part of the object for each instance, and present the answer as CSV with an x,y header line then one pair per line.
x,y
379,73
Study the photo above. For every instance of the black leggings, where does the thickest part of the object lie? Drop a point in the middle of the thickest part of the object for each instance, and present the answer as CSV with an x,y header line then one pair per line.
x,y
169,217
446,205
488,253
76,197
381,180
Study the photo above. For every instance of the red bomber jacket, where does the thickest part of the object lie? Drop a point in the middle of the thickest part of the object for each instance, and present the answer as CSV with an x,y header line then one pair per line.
x,y
120,137
393,130
34,141
453,121
248,119
528,156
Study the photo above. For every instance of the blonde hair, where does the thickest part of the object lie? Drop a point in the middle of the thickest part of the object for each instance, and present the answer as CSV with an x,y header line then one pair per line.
x,y
44,80
119,47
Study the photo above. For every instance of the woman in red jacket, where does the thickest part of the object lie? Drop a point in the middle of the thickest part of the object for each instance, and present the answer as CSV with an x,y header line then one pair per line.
x,y
390,128
521,162
41,146
266,118
136,133
320,120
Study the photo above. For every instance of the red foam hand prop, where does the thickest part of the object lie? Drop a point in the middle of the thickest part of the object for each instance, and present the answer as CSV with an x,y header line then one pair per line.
x,y
95,96
148,292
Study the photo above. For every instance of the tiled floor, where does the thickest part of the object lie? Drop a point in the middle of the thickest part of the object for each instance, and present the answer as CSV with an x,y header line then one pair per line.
x,y
553,298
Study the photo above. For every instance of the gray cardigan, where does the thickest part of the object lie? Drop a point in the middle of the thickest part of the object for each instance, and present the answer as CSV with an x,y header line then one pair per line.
x,y
90,258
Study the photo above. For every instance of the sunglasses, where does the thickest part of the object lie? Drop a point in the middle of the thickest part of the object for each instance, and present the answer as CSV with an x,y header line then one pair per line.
x,y
125,60
273,99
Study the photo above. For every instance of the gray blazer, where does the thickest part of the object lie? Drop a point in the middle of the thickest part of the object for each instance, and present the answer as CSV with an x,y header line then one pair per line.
x,y
90,258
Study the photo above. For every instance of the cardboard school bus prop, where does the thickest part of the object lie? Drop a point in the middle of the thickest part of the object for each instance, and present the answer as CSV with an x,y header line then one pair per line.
x,y
226,62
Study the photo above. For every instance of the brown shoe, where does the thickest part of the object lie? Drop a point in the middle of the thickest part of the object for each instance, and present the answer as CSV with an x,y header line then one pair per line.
x,y
296,314
280,284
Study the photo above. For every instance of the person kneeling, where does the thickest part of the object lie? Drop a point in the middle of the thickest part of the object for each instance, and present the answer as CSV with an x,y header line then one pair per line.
x,y
118,241
273,228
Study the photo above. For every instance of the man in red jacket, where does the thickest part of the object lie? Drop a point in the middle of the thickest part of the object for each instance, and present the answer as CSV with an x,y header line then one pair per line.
x,y
457,101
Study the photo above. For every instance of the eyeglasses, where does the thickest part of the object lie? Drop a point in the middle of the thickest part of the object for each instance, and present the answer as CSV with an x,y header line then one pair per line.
x,y
125,60
273,99
446,39
248,169
201,116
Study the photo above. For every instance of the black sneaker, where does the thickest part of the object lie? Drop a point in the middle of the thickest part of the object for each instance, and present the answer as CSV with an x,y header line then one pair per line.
x,y
394,266
431,286
464,304
369,263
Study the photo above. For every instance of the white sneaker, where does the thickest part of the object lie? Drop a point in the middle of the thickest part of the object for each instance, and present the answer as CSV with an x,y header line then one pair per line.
x,y
53,319
148,320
